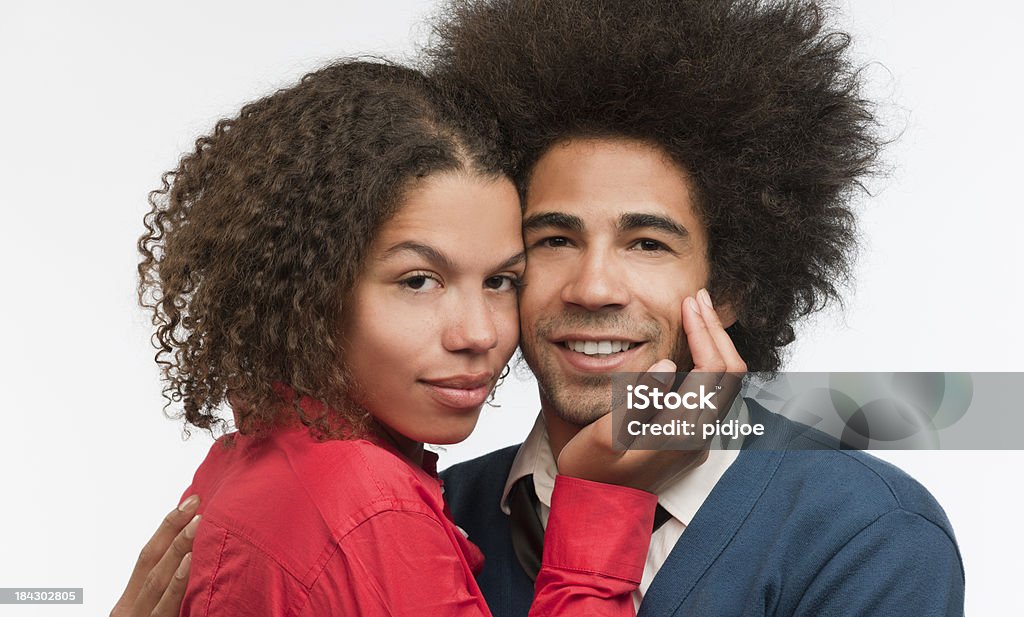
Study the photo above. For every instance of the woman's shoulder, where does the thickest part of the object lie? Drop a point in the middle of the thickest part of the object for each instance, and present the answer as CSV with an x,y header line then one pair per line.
x,y
335,468
344,480
352,463
290,495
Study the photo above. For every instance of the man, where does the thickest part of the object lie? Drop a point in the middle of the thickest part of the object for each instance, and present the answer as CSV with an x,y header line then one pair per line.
x,y
667,147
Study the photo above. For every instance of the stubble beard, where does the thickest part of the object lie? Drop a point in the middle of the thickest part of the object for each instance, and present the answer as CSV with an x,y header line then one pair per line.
x,y
582,399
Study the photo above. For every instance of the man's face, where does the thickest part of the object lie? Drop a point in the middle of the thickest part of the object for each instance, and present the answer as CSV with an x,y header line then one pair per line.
x,y
614,245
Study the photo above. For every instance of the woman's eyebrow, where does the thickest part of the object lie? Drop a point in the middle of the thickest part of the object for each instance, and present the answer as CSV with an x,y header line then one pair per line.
x,y
440,260
514,260
431,254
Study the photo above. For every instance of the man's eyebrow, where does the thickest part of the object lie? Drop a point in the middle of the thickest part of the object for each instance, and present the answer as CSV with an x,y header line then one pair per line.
x,y
640,220
557,220
434,256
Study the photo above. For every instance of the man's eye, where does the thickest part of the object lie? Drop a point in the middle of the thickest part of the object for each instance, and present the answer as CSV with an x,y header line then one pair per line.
x,y
502,283
649,245
554,242
420,282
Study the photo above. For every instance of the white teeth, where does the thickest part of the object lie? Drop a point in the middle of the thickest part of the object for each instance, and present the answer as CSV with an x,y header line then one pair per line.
x,y
598,348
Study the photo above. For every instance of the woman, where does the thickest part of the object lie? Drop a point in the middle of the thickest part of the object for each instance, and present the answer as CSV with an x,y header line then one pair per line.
x,y
340,263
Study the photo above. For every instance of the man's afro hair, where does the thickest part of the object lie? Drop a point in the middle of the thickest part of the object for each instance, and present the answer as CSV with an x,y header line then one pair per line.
x,y
759,102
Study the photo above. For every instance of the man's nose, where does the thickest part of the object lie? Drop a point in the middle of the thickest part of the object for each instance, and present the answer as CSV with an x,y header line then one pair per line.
x,y
597,284
471,326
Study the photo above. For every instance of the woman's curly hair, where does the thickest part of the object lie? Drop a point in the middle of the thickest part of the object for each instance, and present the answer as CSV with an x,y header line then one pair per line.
x,y
254,240
758,101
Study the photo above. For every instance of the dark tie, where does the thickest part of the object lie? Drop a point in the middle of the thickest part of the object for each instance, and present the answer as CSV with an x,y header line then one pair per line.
x,y
527,530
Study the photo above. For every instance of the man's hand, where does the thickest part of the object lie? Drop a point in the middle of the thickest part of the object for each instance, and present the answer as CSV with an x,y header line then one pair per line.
x,y
157,585
592,454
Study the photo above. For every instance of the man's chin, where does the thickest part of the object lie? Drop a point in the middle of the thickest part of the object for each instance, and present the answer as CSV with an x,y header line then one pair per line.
x,y
581,405
577,397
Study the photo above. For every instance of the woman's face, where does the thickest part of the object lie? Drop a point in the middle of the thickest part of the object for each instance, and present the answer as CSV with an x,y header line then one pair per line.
x,y
432,320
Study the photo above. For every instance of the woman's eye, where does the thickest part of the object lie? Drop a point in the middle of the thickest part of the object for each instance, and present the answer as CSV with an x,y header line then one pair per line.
x,y
420,282
502,283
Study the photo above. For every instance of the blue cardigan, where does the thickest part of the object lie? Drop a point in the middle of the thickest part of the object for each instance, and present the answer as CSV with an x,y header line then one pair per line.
x,y
796,526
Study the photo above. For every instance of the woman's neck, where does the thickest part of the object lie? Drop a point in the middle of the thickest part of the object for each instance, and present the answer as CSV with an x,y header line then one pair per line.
x,y
413,450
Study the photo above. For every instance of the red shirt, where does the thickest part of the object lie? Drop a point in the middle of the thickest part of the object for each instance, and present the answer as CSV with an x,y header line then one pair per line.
x,y
293,526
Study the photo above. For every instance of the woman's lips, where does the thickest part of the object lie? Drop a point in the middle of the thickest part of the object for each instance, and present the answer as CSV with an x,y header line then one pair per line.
x,y
460,391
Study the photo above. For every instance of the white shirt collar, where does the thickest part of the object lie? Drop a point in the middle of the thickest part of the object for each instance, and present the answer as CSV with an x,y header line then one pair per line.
x,y
681,497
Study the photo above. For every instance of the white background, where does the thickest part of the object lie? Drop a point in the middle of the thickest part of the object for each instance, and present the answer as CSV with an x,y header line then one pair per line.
x,y
100,98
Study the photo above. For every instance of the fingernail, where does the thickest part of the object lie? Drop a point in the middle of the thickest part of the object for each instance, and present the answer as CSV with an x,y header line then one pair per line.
x,y
692,305
661,370
705,297
189,504
183,567
190,529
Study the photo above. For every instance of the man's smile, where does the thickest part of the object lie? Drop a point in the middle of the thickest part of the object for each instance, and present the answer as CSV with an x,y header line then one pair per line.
x,y
598,347
597,353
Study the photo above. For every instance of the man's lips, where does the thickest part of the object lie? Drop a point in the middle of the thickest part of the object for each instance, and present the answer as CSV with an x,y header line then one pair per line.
x,y
464,391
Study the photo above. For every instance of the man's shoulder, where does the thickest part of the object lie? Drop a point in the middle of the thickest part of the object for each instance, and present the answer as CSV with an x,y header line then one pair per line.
x,y
816,529
861,486
861,481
